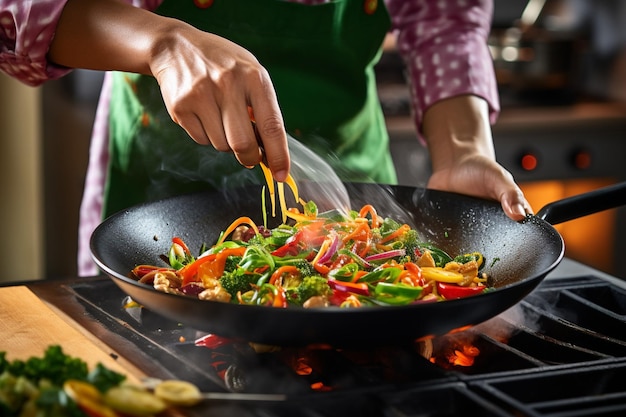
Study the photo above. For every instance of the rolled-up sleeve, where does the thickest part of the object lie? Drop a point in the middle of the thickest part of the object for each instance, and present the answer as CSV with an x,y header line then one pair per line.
x,y
444,46
27,28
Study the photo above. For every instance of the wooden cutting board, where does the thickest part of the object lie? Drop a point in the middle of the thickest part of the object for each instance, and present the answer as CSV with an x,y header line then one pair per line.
x,y
28,326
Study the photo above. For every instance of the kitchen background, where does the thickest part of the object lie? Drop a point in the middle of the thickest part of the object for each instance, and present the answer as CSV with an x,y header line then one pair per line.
x,y
561,68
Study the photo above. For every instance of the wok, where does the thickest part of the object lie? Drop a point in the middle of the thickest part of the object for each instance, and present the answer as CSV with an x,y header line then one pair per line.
x,y
518,256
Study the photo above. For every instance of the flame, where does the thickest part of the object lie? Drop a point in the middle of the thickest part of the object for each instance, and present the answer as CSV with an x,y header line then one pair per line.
x,y
456,348
464,357
320,387
303,368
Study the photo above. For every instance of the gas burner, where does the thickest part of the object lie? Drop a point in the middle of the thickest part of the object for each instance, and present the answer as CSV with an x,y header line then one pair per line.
x,y
566,341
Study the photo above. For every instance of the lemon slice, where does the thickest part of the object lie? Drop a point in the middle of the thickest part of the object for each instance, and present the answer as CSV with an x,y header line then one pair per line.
x,y
177,392
134,401
88,398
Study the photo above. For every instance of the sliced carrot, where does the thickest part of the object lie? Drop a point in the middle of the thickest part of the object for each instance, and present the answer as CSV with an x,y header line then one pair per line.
x,y
396,233
280,271
369,209
361,232
240,221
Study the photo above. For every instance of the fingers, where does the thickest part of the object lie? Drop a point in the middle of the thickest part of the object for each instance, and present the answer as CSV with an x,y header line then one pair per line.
x,y
485,178
208,94
515,205
511,196
271,130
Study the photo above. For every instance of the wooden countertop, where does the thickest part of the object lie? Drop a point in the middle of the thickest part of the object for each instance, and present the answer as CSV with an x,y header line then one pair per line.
x,y
29,325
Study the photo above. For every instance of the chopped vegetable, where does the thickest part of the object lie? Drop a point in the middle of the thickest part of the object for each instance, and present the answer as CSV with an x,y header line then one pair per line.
x,y
360,259
58,385
177,392
451,291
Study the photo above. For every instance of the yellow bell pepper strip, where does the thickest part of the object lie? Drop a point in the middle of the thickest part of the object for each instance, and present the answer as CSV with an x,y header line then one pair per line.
x,y
453,291
396,294
474,256
435,273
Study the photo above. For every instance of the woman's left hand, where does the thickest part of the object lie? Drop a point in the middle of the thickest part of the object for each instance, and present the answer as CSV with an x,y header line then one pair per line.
x,y
463,157
481,176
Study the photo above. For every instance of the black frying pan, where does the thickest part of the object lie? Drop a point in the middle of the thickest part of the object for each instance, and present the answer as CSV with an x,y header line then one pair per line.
x,y
518,256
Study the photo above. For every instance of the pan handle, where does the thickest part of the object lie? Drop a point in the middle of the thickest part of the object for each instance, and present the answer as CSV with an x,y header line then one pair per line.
x,y
581,205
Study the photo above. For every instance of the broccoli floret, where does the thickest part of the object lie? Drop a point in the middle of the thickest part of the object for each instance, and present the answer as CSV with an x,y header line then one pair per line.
x,y
410,242
311,286
305,268
235,281
231,263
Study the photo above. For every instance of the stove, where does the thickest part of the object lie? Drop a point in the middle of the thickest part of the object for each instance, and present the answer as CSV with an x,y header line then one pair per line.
x,y
561,351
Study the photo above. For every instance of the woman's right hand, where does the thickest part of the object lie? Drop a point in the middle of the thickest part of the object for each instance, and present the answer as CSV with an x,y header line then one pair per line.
x,y
207,82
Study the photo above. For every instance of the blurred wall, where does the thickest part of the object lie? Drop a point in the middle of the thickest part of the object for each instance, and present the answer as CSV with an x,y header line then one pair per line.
x,y
21,209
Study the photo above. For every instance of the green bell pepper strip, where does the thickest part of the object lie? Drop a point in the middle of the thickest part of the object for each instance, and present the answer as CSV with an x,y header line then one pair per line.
x,y
389,274
396,294
345,273
177,259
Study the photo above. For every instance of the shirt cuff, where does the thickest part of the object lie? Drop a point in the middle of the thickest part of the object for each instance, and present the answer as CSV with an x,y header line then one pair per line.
x,y
27,29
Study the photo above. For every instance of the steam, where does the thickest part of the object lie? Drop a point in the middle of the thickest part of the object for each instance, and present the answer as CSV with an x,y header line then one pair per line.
x,y
316,179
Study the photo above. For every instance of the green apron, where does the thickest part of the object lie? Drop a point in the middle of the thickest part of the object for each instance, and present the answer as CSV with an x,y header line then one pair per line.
x,y
320,59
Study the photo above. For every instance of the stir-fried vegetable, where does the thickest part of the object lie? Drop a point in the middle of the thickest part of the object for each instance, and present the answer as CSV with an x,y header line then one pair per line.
x,y
357,260
59,385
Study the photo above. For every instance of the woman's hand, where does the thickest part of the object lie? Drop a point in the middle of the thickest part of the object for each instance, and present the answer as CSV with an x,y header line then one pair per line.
x,y
207,82
481,176
459,137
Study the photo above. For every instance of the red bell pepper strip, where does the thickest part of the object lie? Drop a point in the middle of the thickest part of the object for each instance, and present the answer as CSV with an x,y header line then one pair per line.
x,y
360,288
214,267
452,291
213,341
182,244
140,270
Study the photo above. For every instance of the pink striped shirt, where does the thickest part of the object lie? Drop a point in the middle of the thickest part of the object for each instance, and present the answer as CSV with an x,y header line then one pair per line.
x,y
443,43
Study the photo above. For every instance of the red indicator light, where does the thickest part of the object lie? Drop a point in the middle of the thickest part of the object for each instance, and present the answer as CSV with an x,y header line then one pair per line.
x,y
582,160
528,162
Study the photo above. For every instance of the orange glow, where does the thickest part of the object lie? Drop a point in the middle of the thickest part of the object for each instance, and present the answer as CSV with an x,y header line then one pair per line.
x,y
425,338
302,368
460,329
598,228
319,386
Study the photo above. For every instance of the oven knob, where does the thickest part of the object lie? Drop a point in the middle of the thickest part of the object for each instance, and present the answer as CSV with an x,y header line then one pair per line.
x,y
581,159
528,160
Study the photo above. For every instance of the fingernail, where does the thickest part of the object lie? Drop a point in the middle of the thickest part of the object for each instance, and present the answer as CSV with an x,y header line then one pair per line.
x,y
519,210
280,176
